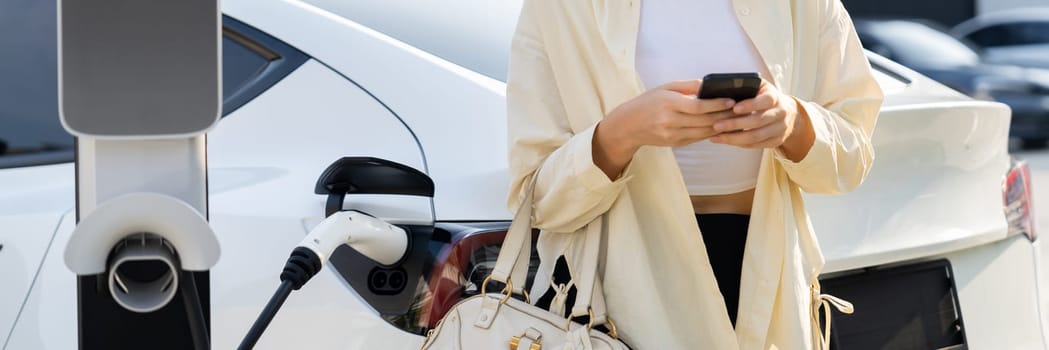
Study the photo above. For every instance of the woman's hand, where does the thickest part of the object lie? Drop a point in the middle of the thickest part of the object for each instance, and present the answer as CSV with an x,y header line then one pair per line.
x,y
669,115
771,119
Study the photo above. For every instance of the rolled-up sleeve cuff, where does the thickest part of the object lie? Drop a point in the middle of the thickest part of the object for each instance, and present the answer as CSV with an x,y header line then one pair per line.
x,y
820,150
586,171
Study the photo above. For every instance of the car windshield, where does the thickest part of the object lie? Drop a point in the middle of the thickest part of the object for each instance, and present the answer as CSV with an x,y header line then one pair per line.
x,y
919,45
30,132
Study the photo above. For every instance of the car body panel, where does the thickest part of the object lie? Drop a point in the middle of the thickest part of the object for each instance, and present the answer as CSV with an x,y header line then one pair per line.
x,y
999,294
37,189
432,96
48,318
932,145
925,156
22,253
1041,272
32,202
277,146
479,27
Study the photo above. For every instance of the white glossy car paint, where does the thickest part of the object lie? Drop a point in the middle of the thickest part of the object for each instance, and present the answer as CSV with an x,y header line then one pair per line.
x,y
23,250
926,155
450,109
264,159
32,201
999,298
48,318
935,191
469,29
1041,271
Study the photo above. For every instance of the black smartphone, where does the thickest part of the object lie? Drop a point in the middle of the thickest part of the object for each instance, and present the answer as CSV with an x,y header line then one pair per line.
x,y
737,86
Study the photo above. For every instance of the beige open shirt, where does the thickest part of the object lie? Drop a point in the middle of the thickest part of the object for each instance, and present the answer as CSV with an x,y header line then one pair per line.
x,y
572,62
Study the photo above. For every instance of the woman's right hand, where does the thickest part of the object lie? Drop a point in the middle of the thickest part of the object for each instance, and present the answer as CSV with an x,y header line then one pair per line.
x,y
669,115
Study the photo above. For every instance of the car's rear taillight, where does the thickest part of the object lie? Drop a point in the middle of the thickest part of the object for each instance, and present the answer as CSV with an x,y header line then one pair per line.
x,y
449,266
1016,194
461,267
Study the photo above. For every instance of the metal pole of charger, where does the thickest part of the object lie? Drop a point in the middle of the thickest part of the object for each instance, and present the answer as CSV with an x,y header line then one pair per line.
x,y
139,86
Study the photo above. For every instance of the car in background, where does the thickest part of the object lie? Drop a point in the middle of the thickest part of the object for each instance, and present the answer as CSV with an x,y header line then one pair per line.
x,y
1016,36
936,249
923,47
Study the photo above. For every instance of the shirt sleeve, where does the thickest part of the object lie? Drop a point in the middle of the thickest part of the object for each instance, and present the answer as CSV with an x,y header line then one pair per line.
x,y
842,112
570,189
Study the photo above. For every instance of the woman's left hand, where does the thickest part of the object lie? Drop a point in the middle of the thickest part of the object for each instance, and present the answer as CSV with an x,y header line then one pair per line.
x,y
768,120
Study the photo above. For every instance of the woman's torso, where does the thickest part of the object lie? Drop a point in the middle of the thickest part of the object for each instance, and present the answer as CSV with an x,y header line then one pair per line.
x,y
652,249
688,39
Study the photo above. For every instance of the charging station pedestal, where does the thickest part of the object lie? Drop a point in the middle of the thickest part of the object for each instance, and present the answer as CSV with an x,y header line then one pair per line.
x,y
139,86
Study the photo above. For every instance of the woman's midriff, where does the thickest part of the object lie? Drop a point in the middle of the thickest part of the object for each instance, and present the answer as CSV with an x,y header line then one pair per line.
x,y
734,203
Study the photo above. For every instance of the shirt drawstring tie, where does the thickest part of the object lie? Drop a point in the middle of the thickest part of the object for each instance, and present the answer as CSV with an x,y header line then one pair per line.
x,y
557,305
820,334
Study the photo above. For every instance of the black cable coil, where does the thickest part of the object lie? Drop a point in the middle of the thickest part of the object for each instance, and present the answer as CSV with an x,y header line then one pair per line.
x,y
301,266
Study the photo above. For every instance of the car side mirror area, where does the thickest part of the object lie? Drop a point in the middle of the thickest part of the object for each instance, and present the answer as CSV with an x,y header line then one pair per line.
x,y
369,175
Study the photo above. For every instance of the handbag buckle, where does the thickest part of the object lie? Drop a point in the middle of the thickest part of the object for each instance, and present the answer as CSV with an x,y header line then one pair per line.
x,y
508,289
531,334
612,332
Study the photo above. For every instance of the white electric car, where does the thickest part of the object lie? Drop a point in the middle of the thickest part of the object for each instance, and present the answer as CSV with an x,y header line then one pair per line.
x,y
936,249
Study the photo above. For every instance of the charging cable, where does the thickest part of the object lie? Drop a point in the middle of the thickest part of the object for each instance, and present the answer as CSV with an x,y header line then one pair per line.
x,y
371,236
194,312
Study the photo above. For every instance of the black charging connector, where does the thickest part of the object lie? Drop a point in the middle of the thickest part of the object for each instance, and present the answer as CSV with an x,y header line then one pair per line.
x,y
301,266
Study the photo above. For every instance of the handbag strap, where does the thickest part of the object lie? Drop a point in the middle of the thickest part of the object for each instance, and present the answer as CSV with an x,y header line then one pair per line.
x,y
517,245
587,279
590,299
515,254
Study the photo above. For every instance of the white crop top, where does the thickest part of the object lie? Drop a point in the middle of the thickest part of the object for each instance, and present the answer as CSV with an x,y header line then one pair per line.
x,y
688,39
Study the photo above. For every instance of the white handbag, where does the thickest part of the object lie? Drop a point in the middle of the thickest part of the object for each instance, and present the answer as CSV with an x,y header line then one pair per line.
x,y
497,321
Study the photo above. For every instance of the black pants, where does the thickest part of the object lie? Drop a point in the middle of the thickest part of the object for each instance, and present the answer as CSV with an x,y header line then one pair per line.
x,y
725,236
